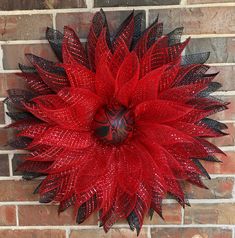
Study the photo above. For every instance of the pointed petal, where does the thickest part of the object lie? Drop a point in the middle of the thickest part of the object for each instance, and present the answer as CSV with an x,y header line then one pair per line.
x,y
55,39
160,54
127,79
50,73
98,23
147,87
56,136
104,83
74,46
125,32
160,111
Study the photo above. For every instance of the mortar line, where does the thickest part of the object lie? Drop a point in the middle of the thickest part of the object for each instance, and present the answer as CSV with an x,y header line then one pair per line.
x,y
85,227
227,121
44,41
221,64
213,176
67,232
90,4
6,117
166,201
54,20
28,42
1,58
149,232
10,157
224,93
23,42
146,18
209,35
13,151
124,8
17,215
227,148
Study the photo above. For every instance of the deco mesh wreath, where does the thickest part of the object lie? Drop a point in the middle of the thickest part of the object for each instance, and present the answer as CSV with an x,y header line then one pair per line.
x,y
116,125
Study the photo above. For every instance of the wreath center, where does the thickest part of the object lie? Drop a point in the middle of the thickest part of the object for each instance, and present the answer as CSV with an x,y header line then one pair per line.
x,y
113,124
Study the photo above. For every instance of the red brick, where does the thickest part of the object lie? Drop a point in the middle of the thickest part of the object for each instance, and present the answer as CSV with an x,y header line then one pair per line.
x,y
7,215
5,136
227,167
218,188
207,1
16,161
42,215
225,76
4,168
32,233
227,140
116,3
206,20
81,21
2,113
55,4
15,54
228,114
43,4
113,233
11,190
191,232
221,48
171,213
24,27
10,80
221,213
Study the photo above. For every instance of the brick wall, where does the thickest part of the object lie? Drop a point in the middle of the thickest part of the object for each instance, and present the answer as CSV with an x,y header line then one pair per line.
x,y
212,26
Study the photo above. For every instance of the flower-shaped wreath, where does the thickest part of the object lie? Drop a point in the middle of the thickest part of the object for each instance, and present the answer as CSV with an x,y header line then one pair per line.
x,y
116,125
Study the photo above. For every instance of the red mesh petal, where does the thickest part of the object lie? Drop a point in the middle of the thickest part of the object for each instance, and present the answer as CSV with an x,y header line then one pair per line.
x,y
125,32
127,79
159,55
104,83
74,46
147,87
160,111
148,38
98,23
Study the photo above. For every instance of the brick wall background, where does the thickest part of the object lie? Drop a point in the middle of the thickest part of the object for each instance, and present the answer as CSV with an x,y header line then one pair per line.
x,y
211,23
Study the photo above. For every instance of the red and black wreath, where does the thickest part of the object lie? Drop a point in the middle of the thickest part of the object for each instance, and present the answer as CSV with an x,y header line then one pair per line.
x,y
116,125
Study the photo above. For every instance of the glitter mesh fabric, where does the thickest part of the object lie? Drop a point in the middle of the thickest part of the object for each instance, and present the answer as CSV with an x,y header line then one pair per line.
x,y
116,125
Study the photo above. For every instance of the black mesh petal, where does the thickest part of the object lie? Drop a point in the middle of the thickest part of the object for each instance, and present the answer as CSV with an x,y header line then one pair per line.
x,y
212,87
19,115
122,26
27,69
197,58
46,65
20,142
86,209
174,37
48,197
134,222
138,19
55,39
202,169
31,175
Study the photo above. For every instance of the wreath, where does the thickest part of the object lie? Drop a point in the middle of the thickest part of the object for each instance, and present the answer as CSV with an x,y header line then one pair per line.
x,y
116,125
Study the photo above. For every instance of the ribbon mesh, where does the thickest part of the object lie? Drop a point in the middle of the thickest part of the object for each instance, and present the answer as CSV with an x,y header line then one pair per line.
x,y
116,125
